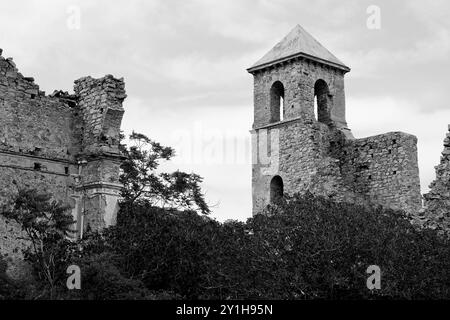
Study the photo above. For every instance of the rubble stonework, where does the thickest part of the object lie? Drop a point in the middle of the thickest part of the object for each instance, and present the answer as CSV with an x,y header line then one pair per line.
x,y
437,201
318,153
65,144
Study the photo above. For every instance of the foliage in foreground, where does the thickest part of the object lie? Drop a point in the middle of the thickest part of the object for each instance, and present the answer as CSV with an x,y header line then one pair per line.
x,y
304,248
47,226
144,184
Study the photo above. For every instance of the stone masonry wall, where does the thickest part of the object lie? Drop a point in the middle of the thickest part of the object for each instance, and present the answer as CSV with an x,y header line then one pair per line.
x,y
324,157
298,79
33,123
100,101
64,144
299,152
38,144
312,157
437,201
385,168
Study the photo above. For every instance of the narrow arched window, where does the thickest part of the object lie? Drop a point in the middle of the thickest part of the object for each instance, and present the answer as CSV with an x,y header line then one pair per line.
x,y
277,102
276,189
315,108
322,101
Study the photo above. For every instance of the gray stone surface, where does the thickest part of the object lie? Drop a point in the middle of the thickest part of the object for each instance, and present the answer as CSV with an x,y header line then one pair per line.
x,y
437,201
65,144
320,154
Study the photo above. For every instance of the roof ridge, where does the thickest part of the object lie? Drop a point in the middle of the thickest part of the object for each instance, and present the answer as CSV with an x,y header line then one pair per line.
x,y
299,42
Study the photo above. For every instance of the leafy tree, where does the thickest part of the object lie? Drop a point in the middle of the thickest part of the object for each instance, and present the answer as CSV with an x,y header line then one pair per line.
x,y
101,276
326,248
165,249
303,248
102,280
143,183
48,227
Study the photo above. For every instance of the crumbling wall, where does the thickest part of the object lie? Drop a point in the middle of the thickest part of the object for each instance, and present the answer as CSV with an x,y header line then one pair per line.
x,y
39,136
380,170
64,144
100,102
385,168
437,201
32,123
320,154
38,143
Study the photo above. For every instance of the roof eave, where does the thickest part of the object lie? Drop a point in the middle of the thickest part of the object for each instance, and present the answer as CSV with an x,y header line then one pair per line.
x,y
297,55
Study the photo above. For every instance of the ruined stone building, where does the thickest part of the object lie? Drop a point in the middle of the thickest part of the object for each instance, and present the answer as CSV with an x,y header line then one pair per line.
x,y
437,200
65,144
301,140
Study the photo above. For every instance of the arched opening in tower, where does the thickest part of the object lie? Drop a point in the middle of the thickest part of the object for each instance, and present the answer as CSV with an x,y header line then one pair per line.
x,y
276,189
277,102
322,102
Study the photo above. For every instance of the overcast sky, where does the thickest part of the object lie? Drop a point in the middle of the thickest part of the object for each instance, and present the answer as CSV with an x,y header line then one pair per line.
x,y
184,67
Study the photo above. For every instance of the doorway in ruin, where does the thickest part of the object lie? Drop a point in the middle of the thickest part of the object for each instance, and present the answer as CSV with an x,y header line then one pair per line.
x,y
276,189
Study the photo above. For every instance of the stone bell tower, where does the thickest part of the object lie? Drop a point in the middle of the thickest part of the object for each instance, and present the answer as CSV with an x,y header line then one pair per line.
x,y
300,138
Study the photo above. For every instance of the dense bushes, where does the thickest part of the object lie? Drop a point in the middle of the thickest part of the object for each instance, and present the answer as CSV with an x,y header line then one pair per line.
x,y
306,248
327,248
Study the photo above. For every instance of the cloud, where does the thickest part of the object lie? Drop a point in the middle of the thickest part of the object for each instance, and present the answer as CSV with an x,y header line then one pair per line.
x,y
434,14
368,63
197,70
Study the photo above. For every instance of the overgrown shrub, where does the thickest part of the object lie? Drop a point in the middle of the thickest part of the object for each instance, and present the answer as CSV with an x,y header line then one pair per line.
x,y
306,248
302,248
326,247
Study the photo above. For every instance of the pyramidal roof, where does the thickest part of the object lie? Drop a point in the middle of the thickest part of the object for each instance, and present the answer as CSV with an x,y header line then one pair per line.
x,y
298,43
